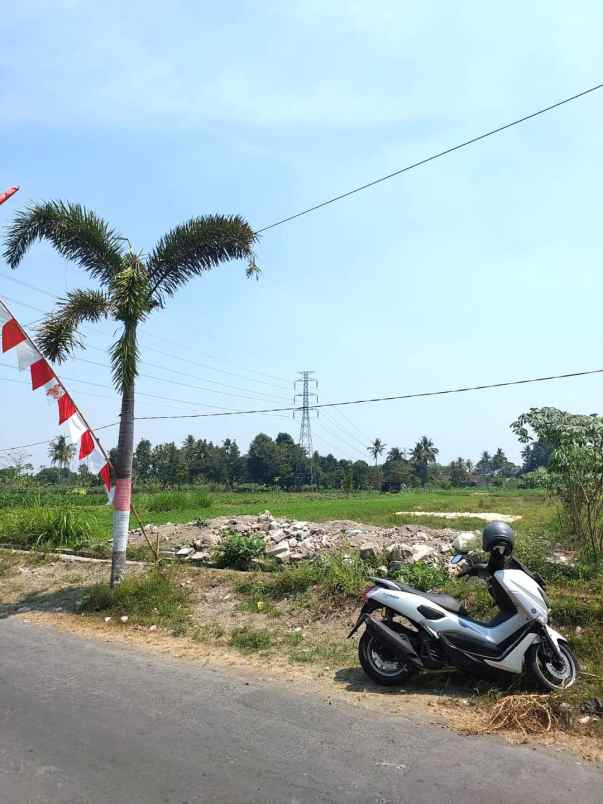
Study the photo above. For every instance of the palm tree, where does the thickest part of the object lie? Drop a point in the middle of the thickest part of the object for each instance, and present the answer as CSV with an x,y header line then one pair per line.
x,y
396,454
484,465
423,454
132,286
61,452
376,448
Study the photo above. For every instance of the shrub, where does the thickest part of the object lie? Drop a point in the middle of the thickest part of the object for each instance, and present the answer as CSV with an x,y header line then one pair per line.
x,y
237,551
152,598
423,576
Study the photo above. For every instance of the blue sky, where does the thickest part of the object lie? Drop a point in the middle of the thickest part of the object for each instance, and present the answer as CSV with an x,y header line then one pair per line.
x,y
482,266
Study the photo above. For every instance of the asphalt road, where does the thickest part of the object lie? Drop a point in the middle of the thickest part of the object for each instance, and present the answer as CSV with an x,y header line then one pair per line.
x,y
81,721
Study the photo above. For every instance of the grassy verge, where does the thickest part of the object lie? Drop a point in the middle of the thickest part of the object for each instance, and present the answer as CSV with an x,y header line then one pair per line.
x,y
152,598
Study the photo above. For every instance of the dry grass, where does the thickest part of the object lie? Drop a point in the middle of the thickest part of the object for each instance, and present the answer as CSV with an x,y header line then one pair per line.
x,y
526,714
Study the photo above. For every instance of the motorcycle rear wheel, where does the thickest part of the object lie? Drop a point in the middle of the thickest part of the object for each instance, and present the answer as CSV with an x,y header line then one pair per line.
x,y
546,674
380,664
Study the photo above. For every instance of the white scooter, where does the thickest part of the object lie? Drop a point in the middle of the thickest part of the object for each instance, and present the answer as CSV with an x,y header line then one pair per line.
x,y
424,630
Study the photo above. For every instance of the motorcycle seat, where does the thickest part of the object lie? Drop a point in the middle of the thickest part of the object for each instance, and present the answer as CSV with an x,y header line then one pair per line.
x,y
439,598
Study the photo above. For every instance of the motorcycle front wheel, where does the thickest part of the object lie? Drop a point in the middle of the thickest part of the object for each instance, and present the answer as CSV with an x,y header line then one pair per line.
x,y
544,671
380,664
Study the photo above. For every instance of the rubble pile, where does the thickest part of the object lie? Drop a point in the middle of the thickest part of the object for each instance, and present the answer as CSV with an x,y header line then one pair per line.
x,y
288,540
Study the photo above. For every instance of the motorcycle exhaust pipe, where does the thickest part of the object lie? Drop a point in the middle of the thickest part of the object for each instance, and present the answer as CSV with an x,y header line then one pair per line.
x,y
398,643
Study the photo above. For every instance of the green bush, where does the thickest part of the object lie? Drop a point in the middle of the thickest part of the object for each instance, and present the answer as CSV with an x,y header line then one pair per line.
x,y
153,598
422,576
40,526
237,551
344,575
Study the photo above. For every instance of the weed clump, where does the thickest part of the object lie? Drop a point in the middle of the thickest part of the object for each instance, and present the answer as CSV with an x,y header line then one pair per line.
x,y
238,551
336,575
251,640
152,598
422,576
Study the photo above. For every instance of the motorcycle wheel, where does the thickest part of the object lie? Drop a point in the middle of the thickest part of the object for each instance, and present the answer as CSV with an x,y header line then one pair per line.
x,y
548,676
380,664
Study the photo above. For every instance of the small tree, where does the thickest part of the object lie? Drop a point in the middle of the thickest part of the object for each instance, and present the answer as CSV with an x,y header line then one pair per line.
x,y
575,469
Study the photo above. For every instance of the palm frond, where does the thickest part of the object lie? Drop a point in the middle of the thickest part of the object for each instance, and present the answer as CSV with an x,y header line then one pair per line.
x,y
124,358
253,270
130,291
58,335
196,246
75,232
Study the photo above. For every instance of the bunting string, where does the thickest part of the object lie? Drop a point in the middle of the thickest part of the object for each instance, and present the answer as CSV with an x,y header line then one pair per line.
x,y
15,340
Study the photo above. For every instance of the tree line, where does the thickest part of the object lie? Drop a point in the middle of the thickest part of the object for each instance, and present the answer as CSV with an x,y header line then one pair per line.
x,y
280,462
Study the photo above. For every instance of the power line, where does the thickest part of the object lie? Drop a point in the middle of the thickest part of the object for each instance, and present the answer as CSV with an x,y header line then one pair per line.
x,y
385,398
347,434
280,380
54,296
344,403
41,443
29,286
258,395
24,382
363,437
23,304
96,429
190,362
335,435
430,158
139,393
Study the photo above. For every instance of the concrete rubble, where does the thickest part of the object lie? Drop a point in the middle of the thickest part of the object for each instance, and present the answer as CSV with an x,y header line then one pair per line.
x,y
288,540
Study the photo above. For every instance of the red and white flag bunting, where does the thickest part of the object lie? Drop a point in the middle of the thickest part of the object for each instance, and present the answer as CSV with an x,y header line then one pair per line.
x,y
7,194
42,376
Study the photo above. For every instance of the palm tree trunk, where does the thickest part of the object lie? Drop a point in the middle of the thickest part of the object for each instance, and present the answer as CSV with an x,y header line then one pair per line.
x,y
123,485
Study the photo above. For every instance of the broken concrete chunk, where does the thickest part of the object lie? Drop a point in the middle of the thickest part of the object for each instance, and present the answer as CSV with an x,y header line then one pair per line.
x,y
467,540
280,551
399,551
422,551
368,550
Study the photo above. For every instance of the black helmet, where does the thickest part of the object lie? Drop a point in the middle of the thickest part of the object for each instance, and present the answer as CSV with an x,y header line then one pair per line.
x,y
498,534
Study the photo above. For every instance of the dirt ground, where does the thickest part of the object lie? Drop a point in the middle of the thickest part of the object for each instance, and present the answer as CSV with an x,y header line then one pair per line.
x,y
50,592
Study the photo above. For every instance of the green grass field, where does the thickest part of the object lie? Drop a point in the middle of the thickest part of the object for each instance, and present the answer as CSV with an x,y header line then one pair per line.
x,y
537,512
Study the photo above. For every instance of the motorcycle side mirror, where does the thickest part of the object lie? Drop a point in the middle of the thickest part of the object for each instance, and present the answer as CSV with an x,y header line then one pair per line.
x,y
457,558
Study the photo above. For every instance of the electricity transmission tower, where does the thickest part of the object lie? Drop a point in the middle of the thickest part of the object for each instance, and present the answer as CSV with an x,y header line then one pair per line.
x,y
308,394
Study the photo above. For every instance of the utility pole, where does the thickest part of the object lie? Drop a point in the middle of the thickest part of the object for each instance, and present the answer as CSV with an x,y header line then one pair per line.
x,y
309,392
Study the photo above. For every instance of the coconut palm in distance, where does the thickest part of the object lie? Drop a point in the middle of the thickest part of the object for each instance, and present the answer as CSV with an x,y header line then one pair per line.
x,y
424,453
132,286
61,452
376,449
